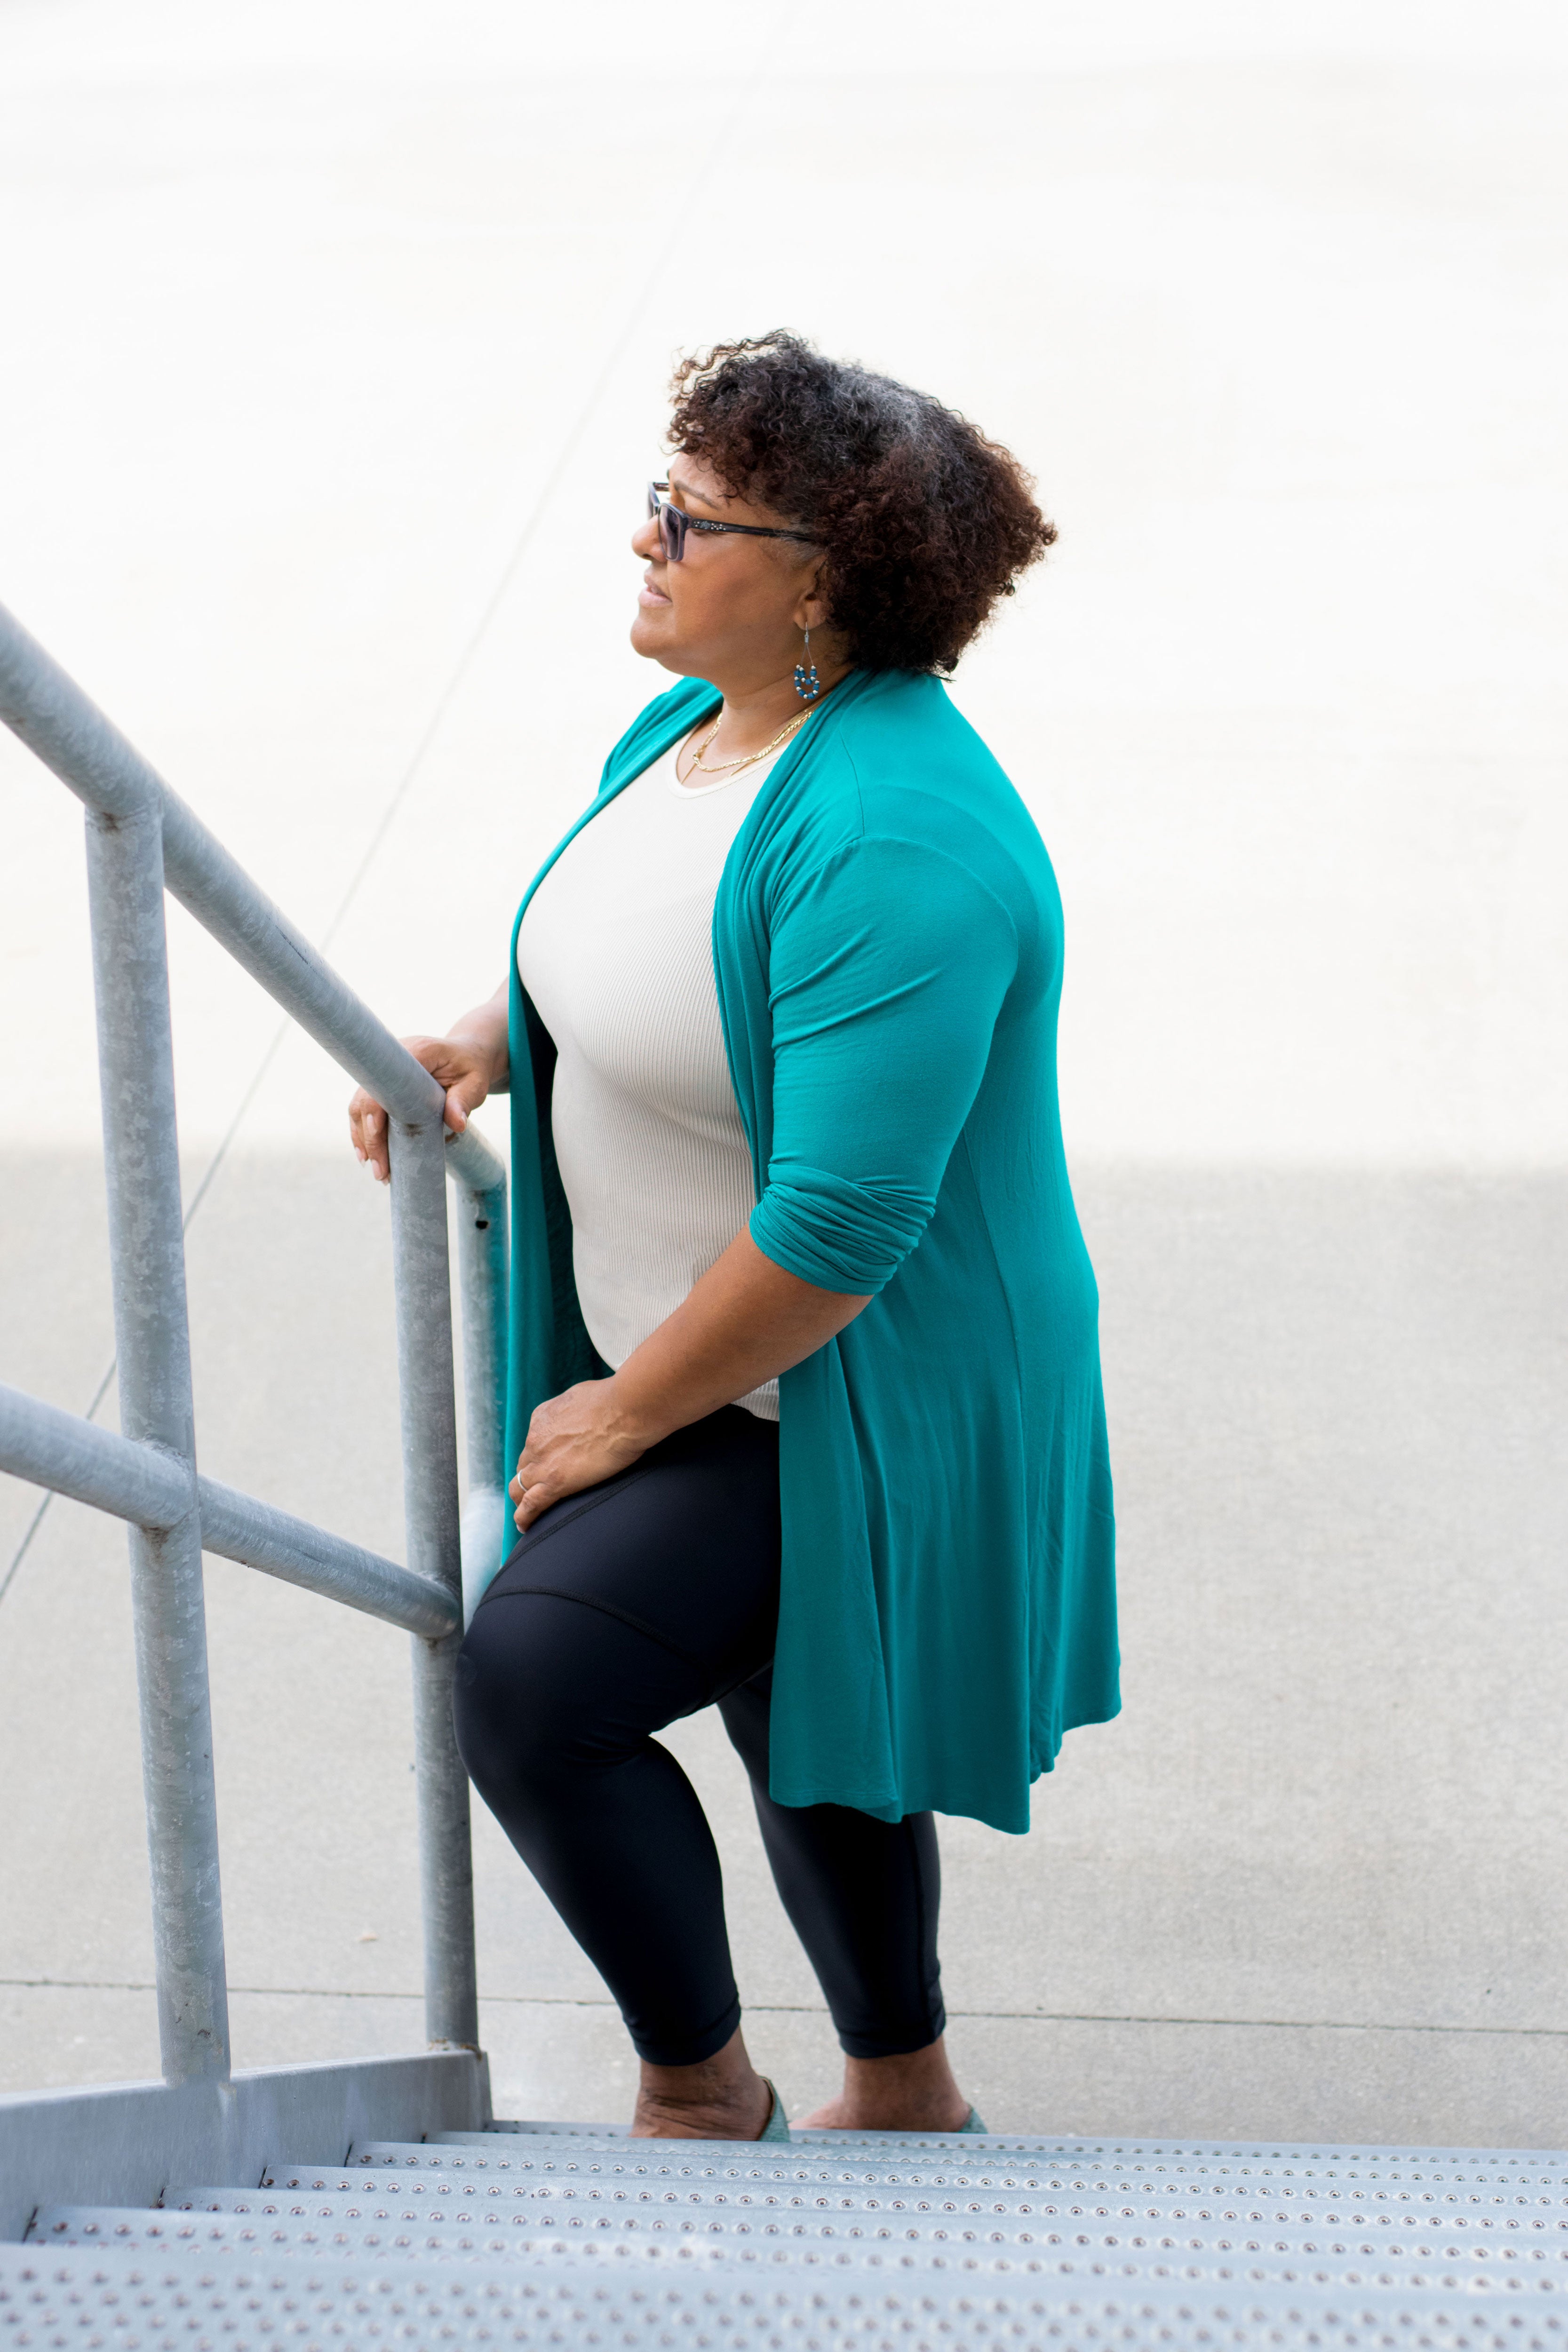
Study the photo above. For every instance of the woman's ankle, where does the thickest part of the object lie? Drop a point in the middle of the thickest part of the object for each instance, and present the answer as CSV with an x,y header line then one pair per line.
x,y
913,2091
740,2117
720,2097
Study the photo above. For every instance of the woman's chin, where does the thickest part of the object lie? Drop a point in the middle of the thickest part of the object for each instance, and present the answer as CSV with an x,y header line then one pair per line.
x,y
652,641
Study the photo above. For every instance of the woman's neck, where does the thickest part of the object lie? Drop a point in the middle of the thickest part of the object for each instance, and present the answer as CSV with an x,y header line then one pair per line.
x,y
752,716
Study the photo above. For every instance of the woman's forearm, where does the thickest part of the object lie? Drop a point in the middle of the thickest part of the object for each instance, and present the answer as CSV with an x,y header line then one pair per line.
x,y
746,1321
485,1028
743,1323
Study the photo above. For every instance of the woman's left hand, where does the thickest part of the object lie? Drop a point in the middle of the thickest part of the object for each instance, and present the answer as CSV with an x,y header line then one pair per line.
x,y
574,1439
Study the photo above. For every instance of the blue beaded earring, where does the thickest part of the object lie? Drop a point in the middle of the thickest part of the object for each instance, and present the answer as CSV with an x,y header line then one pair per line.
x,y
807,684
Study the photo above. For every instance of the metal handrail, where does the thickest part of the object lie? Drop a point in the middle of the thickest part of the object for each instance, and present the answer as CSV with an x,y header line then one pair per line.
x,y
155,1490
141,839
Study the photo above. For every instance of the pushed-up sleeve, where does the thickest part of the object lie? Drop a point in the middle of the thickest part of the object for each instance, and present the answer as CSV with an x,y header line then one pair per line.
x,y
887,966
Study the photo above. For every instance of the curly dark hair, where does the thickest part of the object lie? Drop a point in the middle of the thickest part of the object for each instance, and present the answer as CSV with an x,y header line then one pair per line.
x,y
924,522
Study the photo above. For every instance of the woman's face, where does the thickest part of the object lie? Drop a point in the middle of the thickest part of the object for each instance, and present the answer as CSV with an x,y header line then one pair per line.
x,y
732,609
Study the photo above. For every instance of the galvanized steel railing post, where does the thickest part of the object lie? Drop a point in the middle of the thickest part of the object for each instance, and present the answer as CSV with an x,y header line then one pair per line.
x,y
422,1274
136,1071
482,1251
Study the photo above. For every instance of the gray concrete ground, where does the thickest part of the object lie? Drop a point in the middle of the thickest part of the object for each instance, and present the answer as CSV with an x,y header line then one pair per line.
x,y
339,336
1315,1878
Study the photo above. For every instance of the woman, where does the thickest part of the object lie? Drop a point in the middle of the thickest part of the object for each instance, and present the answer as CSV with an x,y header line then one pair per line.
x,y
805,1393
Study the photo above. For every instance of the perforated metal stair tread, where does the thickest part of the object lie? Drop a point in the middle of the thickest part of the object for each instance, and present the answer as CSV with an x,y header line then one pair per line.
x,y
973,2239
1518,2224
1208,2154
1036,2237
981,2161
1082,2160
1052,2259
539,2130
57,2299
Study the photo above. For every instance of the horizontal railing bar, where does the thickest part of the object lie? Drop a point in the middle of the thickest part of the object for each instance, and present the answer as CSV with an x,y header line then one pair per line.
x,y
237,1526
49,1447
64,727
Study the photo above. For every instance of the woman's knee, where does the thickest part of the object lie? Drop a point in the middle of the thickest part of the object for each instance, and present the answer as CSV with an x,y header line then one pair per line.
x,y
519,1722
549,1688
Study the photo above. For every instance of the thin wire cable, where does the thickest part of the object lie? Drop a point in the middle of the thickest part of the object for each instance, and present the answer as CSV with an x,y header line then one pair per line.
x,y
445,700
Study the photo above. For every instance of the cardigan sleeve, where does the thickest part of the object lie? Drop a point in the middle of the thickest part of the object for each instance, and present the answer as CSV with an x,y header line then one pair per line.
x,y
887,966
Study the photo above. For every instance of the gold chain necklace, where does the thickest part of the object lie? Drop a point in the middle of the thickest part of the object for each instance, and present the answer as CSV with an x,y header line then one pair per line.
x,y
733,767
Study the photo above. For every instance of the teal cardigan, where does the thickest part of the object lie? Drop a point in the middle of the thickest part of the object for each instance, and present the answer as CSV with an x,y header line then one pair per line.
x,y
888,949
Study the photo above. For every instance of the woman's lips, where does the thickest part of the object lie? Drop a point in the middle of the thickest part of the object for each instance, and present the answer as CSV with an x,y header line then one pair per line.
x,y
649,596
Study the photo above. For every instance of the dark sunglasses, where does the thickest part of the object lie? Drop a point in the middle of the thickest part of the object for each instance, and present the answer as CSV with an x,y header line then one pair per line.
x,y
674,522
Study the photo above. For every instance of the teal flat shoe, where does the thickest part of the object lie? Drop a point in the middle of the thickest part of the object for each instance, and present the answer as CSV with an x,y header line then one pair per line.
x,y
777,2125
970,2123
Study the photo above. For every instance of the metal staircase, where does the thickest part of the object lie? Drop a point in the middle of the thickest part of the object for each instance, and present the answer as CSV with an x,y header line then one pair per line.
x,y
567,2236
306,2224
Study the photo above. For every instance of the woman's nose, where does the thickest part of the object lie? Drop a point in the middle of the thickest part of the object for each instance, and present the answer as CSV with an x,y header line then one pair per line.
x,y
645,539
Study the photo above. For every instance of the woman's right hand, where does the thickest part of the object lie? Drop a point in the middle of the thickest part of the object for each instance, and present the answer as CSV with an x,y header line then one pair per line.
x,y
464,1066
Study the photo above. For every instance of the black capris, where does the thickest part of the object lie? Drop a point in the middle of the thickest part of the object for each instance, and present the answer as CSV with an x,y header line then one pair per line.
x,y
620,1610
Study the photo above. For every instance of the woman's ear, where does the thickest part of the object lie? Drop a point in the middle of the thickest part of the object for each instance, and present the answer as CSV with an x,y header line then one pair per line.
x,y
811,613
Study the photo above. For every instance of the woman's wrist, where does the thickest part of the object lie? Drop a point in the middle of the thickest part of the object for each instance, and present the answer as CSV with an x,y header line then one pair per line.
x,y
488,1048
637,1412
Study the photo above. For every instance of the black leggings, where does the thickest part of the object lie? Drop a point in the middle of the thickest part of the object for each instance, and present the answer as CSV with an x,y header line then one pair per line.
x,y
620,1610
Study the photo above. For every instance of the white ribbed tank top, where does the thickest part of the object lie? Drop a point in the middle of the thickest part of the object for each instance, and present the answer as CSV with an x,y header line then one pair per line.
x,y
616,951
